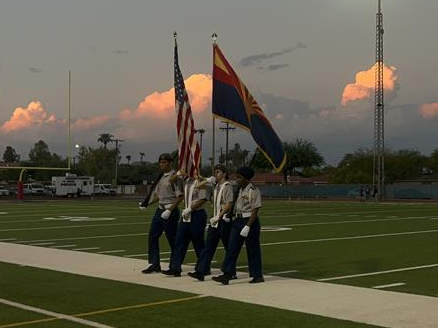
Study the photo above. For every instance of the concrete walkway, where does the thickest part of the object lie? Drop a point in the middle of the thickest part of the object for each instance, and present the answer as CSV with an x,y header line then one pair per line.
x,y
377,307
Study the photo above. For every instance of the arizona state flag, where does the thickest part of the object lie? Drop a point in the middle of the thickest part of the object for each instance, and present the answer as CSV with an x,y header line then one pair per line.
x,y
232,102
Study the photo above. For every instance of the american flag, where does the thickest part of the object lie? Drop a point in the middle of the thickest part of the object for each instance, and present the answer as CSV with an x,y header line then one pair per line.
x,y
189,151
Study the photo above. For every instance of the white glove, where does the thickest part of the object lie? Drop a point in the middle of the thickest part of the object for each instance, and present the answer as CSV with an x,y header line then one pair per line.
x,y
226,218
211,179
165,215
142,208
245,231
186,212
214,220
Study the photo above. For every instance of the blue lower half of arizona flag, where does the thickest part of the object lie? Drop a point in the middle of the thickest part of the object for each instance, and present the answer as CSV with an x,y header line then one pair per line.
x,y
232,102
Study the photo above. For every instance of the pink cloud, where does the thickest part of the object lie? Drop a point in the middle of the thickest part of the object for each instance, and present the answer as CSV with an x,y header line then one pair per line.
x,y
88,123
363,87
162,104
22,118
429,110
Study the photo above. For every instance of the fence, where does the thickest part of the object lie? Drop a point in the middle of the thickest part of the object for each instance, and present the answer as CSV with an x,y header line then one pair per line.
x,y
394,191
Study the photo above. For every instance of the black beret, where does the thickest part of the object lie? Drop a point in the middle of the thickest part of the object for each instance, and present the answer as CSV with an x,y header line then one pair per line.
x,y
166,157
246,172
221,167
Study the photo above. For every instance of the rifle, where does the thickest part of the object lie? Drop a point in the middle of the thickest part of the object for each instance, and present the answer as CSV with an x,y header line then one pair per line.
x,y
147,199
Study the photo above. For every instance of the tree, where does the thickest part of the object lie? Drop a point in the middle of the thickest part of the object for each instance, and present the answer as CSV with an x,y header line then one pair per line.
x,y
10,155
105,138
300,154
432,162
128,158
40,155
141,157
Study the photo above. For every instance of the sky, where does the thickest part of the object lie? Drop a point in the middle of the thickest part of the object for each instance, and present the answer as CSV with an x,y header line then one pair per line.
x,y
309,64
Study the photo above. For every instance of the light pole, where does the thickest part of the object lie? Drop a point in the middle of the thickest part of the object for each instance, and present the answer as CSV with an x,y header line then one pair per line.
x,y
77,147
226,128
201,132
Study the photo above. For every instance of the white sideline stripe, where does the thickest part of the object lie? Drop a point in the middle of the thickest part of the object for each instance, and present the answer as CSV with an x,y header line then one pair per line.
x,y
354,221
62,246
54,314
280,272
241,267
81,238
8,239
380,272
41,244
396,284
348,238
85,248
73,226
109,252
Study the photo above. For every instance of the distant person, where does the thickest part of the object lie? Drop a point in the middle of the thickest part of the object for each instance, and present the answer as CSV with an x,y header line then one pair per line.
x,y
168,195
191,226
367,193
245,229
361,194
220,225
375,193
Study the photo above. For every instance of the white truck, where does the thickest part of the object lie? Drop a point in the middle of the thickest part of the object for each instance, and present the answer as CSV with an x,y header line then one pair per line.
x,y
71,185
104,189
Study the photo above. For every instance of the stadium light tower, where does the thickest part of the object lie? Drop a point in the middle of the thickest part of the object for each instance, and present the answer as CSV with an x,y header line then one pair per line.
x,y
379,126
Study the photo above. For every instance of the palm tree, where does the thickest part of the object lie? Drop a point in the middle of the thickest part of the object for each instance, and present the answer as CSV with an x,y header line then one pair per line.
x,y
105,138
141,157
128,158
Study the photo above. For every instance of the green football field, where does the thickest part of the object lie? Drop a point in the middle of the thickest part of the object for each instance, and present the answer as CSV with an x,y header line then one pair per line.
x,y
389,246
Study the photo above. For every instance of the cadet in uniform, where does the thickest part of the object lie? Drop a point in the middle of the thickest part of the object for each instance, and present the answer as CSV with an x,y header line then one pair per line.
x,y
245,229
191,226
220,224
169,195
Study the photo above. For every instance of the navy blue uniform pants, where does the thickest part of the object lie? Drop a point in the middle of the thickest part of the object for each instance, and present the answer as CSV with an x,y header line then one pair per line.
x,y
214,235
253,251
158,225
187,232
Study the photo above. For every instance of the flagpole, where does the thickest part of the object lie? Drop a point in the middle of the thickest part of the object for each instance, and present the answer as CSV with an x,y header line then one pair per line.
x,y
213,156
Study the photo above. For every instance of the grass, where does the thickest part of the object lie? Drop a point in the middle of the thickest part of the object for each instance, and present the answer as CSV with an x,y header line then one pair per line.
x,y
312,241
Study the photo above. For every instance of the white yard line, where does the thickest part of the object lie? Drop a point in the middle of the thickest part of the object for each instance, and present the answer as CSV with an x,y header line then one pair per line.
x,y
281,272
83,238
396,284
136,255
366,305
73,226
85,249
54,314
241,267
353,221
8,239
62,246
350,238
42,244
110,252
380,272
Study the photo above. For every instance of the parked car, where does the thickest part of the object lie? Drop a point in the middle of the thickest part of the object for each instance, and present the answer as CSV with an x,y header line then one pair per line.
x,y
104,189
33,189
4,191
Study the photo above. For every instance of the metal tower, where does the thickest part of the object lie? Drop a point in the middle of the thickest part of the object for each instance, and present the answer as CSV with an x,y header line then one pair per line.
x,y
379,126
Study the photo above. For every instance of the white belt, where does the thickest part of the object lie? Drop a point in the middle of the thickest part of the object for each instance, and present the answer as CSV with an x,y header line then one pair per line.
x,y
244,215
164,206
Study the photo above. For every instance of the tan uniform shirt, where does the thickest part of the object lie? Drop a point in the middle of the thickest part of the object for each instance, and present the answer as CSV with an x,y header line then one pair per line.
x,y
192,193
226,196
166,191
249,199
